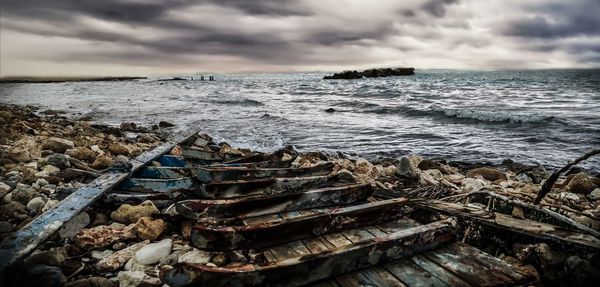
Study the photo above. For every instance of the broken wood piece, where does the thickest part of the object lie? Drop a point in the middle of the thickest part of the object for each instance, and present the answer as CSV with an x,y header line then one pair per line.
x,y
157,185
210,174
267,204
164,172
295,228
200,154
295,271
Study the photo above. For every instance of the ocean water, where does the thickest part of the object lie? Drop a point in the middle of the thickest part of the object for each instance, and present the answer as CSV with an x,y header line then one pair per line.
x,y
539,117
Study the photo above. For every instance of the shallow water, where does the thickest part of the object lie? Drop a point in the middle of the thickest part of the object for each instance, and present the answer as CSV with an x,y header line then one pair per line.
x,y
546,117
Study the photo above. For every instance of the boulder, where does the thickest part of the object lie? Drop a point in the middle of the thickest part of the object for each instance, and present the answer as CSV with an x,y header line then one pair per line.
x,y
488,173
132,213
150,229
128,127
406,169
24,150
152,253
101,162
58,160
164,124
581,183
118,149
538,174
57,144
81,153
118,259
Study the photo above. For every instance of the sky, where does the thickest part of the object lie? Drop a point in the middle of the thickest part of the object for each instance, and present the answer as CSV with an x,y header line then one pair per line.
x,y
144,37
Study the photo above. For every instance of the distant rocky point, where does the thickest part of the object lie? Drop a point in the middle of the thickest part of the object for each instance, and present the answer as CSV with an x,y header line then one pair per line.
x,y
372,73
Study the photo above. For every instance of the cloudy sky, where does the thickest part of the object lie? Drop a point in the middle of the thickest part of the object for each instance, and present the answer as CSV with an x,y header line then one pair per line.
x,y
132,37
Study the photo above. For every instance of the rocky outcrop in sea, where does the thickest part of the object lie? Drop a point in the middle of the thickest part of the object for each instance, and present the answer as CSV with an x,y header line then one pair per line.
x,y
372,73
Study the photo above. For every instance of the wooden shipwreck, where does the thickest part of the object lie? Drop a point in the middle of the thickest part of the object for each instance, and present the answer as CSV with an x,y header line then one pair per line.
x,y
306,226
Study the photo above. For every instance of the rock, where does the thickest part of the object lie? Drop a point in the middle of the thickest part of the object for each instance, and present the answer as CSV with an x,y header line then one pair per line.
x,y
471,184
538,174
406,169
98,255
24,150
581,272
73,226
137,278
51,258
91,282
118,149
163,124
23,193
36,204
219,259
119,246
50,169
428,164
116,260
372,73
57,144
569,196
581,183
517,212
522,177
363,166
129,214
150,229
81,153
59,160
152,253
101,162
41,276
6,227
330,110
8,210
105,235
488,173
133,265
4,189
128,127
595,194
99,219
195,256
435,173
41,182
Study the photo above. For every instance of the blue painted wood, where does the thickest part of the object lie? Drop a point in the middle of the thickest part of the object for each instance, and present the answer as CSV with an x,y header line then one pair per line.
x,y
156,185
161,172
172,161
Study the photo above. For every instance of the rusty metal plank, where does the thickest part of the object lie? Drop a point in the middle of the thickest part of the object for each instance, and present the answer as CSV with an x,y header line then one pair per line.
x,y
210,174
266,204
522,226
293,271
157,185
24,241
296,226
413,275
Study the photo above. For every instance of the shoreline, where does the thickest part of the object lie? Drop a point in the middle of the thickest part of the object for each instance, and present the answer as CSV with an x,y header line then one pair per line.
x,y
46,155
45,80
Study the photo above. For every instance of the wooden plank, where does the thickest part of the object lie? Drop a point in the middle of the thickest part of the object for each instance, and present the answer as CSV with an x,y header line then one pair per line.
x,y
267,204
293,271
478,268
24,241
379,276
522,226
257,186
294,226
210,174
438,271
157,185
412,275
164,172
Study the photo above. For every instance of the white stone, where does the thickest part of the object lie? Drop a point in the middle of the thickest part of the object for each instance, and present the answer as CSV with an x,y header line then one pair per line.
x,y
36,204
595,194
471,184
50,169
136,278
195,256
133,265
569,196
98,255
152,253
73,226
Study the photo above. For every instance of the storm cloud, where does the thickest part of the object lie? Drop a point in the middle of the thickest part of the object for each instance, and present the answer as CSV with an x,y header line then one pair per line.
x,y
70,37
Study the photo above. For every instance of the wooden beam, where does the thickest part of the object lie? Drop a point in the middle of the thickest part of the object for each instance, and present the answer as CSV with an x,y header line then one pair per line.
x,y
210,174
298,227
313,267
25,240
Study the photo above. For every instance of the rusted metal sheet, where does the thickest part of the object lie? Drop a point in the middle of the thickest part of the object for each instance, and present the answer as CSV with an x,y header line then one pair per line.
x,y
246,187
312,267
297,227
267,204
24,241
523,226
157,185
210,174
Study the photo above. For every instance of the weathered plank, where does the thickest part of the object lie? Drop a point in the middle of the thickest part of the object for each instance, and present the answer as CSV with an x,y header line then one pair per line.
x,y
293,271
438,271
522,226
266,204
157,185
24,241
201,154
295,226
161,200
164,172
210,174
413,275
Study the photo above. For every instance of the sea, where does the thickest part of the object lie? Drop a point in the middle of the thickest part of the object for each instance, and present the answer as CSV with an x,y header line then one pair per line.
x,y
546,117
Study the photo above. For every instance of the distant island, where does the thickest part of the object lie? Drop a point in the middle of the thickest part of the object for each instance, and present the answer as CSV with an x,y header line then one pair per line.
x,y
372,73
8,80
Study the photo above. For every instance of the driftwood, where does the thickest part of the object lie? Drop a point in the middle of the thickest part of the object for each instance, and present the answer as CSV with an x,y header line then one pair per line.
x,y
552,179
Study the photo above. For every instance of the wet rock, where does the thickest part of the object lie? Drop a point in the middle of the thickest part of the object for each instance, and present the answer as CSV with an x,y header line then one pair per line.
x,y
73,226
24,150
195,256
488,173
101,162
98,255
150,229
118,259
81,153
137,278
595,194
128,127
471,184
152,253
406,169
538,174
330,110
91,282
581,183
130,214
57,144
23,193
226,150
164,124
36,204
427,164
118,149
51,258
102,236
59,160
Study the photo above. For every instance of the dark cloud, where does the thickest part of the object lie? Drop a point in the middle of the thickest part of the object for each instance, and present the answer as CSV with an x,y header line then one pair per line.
x,y
266,7
437,7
